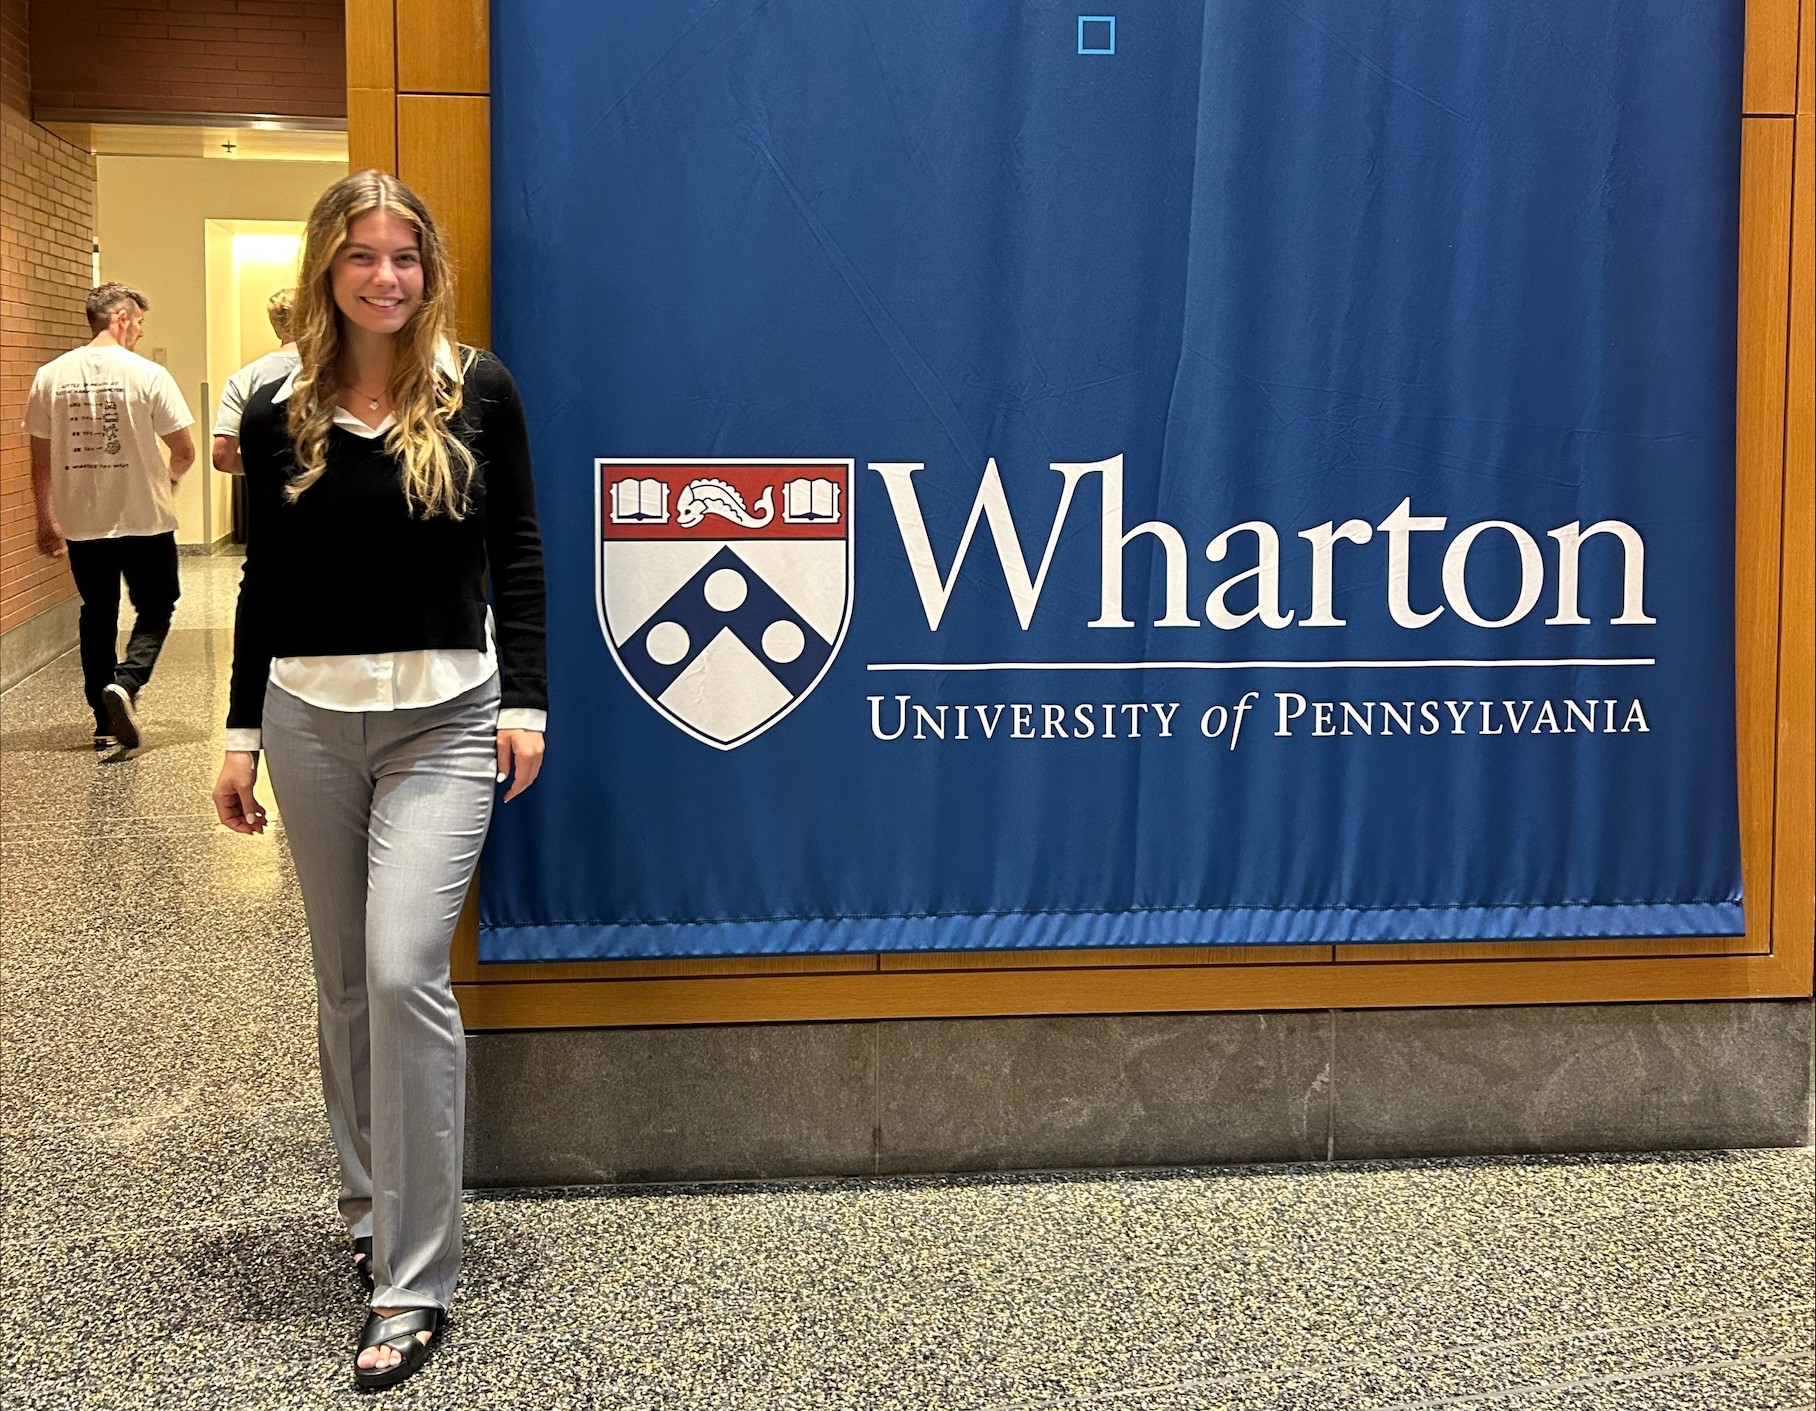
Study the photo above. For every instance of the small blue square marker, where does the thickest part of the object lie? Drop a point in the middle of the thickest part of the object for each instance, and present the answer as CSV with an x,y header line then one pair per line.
x,y
1100,38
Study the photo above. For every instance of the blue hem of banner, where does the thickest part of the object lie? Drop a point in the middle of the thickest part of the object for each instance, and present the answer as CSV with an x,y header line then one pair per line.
x,y
1224,926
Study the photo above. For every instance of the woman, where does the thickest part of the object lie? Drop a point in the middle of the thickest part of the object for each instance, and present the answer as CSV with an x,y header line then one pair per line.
x,y
387,478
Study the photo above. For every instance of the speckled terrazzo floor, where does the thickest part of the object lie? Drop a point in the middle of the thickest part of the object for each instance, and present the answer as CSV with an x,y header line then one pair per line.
x,y
169,1238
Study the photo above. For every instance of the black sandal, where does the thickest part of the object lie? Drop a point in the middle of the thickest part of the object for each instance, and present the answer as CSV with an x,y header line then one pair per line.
x,y
398,1333
362,1262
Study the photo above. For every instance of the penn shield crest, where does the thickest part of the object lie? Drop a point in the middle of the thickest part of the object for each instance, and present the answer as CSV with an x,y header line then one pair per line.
x,y
724,587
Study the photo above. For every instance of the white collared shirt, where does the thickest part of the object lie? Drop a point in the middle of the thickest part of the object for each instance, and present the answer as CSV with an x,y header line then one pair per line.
x,y
387,680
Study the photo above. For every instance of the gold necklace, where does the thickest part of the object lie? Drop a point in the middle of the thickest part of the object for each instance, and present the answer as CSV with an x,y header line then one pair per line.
x,y
371,401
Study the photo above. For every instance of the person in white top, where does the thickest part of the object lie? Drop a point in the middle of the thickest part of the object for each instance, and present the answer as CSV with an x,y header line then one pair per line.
x,y
106,497
273,367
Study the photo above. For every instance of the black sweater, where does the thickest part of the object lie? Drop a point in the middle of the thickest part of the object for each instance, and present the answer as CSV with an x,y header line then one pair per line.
x,y
347,570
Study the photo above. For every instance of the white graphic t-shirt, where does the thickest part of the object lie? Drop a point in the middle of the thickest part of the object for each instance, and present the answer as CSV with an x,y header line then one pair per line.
x,y
103,409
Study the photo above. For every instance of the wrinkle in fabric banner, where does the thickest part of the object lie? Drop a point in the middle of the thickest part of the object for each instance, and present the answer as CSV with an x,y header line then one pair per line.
x,y
1209,473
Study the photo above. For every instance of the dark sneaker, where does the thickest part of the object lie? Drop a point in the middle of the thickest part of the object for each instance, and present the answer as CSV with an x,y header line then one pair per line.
x,y
118,702
104,742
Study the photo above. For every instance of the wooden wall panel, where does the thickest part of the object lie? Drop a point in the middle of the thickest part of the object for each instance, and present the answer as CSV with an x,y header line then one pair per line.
x,y
1771,59
371,46
371,28
444,153
444,46
371,129
438,111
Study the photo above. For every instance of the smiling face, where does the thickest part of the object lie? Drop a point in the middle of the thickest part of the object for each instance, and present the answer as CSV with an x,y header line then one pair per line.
x,y
377,275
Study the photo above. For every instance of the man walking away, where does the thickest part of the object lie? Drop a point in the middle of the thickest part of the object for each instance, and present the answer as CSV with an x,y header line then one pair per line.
x,y
273,367
106,498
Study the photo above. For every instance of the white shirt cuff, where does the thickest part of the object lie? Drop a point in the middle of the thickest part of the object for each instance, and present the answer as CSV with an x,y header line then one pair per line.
x,y
520,719
248,740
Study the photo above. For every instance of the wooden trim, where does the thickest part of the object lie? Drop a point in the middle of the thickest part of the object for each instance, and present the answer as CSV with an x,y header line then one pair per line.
x,y
1806,59
434,93
1794,924
1765,241
1757,943
1145,990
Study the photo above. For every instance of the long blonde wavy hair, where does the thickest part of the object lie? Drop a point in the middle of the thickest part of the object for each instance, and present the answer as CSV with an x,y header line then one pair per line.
x,y
437,466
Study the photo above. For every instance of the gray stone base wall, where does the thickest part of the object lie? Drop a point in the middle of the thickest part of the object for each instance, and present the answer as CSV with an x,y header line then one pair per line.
x,y
222,545
38,641
767,1101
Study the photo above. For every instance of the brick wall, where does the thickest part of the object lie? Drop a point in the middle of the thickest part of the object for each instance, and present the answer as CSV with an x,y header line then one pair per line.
x,y
281,57
47,222
15,70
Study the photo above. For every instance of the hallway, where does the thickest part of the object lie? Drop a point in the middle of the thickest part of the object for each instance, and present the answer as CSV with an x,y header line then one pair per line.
x,y
170,1236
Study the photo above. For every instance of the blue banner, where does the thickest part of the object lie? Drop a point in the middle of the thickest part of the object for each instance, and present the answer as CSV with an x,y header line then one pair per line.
x,y
1210,473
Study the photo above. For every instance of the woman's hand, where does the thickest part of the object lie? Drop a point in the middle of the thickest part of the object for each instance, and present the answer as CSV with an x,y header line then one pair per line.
x,y
233,798
519,759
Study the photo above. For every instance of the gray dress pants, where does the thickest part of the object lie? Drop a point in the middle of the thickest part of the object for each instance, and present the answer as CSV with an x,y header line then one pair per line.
x,y
385,812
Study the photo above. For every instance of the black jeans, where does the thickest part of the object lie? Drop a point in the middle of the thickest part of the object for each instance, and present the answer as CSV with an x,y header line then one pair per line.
x,y
148,563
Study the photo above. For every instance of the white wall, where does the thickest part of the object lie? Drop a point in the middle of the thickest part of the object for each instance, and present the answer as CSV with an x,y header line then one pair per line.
x,y
221,346
152,217
264,261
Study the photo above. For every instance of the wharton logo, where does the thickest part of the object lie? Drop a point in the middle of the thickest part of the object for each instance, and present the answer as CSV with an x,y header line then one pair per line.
x,y
1253,594
724,587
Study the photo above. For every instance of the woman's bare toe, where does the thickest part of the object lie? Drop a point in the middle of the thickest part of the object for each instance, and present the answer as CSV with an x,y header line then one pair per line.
x,y
383,1358
377,1359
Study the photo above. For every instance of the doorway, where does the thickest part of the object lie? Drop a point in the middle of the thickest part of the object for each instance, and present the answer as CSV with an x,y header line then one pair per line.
x,y
246,262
